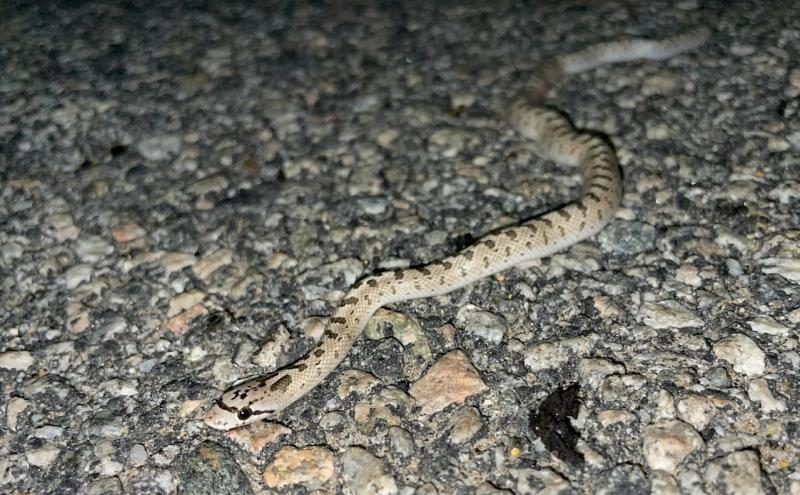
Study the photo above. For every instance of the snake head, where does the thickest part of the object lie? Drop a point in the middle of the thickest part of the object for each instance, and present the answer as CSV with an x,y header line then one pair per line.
x,y
248,401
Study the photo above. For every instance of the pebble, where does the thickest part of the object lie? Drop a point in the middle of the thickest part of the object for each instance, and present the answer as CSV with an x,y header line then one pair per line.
x,y
401,441
11,251
363,473
42,457
606,307
373,206
766,325
481,324
138,455
778,145
466,424
667,314
63,227
357,382
459,101
744,354
93,249
718,377
611,417
628,237
688,275
623,388
77,275
387,137
448,142
487,488
788,268
14,407
549,355
109,466
48,432
184,301
665,405
213,262
165,481
734,267
450,380
666,444
179,323
104,486
113,428
332,420
657,131
662,483
382,408
310,467
128,232
404,329
111,328
759,391
696,410
273,351
594,371
209,185
16,360
175,261
738,473
158,148
313,327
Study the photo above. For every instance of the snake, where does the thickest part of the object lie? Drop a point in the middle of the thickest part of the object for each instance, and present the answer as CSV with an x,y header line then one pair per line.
x,y
552,136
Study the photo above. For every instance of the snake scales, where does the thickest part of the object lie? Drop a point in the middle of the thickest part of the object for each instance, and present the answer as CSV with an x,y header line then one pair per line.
x,y
554,138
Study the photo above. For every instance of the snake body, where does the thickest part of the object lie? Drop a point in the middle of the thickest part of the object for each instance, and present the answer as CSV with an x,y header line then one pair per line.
x,y
554,138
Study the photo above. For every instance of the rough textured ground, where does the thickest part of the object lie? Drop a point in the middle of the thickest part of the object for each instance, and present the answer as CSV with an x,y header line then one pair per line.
x,y
185,192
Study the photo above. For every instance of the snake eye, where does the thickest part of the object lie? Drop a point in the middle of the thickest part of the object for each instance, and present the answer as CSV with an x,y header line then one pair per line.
x,y
244,413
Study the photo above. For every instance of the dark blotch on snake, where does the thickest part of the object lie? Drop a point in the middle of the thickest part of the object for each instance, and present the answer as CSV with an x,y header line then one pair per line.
x,y
281,384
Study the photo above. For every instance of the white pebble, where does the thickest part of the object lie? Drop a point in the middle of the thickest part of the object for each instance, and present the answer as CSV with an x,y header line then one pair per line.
x,y
15,406
77,275
667,314
138,455
744,354
759,391
766,325
43,456
665,445
16,360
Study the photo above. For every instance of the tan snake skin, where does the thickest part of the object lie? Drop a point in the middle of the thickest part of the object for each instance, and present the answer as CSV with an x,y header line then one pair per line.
x,y
554,138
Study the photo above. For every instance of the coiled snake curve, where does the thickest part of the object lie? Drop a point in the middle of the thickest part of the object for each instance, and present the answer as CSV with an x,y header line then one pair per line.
x,y
554,138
